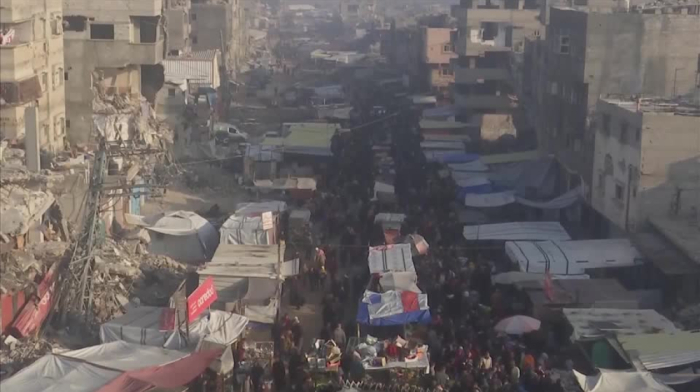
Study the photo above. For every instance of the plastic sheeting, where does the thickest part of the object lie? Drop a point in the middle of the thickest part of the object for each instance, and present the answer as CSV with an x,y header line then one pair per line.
x,y
495,199
448,157
473,166
243,230
124,356
513,231
393,308
618,381
661,351
52,373
256,209
594,323
390,220
404,281
390,258
502,198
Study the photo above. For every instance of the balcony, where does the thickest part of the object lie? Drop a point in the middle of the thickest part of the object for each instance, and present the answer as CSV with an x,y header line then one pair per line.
x,y
19,93
16,62
484,102
115,54
117,7
474,75
12,11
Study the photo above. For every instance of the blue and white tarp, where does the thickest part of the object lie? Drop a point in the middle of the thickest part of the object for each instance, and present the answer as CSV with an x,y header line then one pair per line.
x,y
479,198
393,308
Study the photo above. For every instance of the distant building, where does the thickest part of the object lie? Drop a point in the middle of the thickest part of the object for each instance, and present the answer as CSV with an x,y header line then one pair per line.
x,y
32,71
220,24
437,51
489,31
646,160
353,12
589,54
402,49
177,13
112,49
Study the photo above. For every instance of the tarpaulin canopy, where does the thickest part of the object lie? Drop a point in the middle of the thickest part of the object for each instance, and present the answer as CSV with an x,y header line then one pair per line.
x,y
502,198
390,258
181,235
572,257
594,323
618,381
246,230
663,350
513,231
172,375
393,308
256,209
483,200
142,326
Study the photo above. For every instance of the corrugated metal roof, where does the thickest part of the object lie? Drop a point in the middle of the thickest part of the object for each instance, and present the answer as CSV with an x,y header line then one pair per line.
x,y
210,54
197,67
663,350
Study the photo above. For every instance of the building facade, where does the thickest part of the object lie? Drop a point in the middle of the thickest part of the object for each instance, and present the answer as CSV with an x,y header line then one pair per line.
x,y
437,52
178,28
113,49
589,54
353,12
32,70
646,160
220,25
489,32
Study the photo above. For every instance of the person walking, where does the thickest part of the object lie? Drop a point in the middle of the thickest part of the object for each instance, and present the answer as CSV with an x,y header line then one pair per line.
x,y
256,374
297,332
339,336
279,375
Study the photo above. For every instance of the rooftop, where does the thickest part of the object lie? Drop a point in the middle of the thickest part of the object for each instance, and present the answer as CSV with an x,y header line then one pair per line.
x,y
683,232
677,106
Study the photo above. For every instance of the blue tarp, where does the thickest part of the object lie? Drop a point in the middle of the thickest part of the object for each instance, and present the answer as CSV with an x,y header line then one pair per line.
x,y
418,317
462,192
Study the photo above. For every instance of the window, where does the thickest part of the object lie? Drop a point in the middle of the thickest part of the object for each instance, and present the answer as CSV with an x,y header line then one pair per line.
x,y
638,134
609,169
194,16
601,183
194,39
623,132
606,124
171,92
74,23
564,44
536,33
65,76
619,191
447,48
44,81
57,77
59,126
445,71
67,124
101,31
56,24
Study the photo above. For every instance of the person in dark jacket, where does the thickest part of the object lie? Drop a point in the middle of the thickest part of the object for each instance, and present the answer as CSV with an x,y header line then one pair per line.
x,y
279,375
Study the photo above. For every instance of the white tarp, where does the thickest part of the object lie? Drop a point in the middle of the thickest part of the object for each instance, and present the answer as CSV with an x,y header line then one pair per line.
x,y
559,202
571,257
256,209
513,277
245,261
390,258
181,235
499,199
514,231
52,373
661,351
403,281
246,230
124,356
594,323
471,181
391,304
141,326
620,381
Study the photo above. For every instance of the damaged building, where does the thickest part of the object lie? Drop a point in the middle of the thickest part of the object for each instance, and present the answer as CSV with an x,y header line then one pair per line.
x,y
220,25
32,70
113,51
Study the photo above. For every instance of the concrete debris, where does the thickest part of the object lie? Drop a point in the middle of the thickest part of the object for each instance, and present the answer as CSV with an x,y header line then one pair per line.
x,y
125,275
20,269
689,317
20,207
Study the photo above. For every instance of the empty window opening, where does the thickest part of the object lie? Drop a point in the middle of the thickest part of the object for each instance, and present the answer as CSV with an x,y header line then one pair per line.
x,y
145,29
101,31
74,23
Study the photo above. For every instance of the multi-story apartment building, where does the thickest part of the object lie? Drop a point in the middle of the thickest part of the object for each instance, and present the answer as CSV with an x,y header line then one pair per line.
x,y
588,54
489,31
112,48
32,69
220,25
356,11
437,52
646,159
178,28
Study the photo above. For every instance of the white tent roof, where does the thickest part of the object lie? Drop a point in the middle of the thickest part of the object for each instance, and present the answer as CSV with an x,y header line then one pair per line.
x,y
513,231
172,223
390,258
256,209
618,381
245,261
87,369
593,323
402,281
571,257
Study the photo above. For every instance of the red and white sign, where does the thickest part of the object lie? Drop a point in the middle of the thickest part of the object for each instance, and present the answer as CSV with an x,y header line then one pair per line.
x,y
36,309
200,299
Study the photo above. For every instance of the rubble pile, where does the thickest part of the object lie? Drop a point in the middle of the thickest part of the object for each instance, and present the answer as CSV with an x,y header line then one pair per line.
x,y
15,354
125,273
19,269
689,317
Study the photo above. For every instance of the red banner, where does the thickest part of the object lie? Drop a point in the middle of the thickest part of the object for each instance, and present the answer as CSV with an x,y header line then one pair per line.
x,y
167,319
201,299
36,309
548,289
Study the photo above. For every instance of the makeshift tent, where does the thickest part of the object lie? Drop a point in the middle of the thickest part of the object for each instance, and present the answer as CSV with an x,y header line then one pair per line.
x,y
572,257
619,381
245,226
142,325
252,274
594,323
502,198
91,368
181,235
390,258
393,308
663,350
514,231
